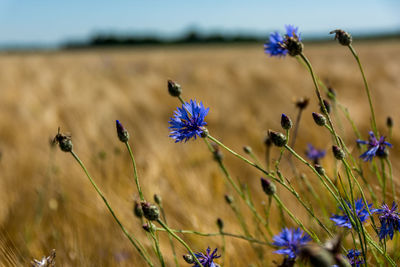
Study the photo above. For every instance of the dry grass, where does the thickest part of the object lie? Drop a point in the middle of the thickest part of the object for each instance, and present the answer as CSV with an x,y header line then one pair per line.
x,y
46,201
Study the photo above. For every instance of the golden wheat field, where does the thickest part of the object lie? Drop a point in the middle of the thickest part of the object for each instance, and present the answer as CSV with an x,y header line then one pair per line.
x,y
47,202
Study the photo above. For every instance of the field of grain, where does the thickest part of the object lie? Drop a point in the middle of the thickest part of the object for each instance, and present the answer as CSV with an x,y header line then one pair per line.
x,y
46,201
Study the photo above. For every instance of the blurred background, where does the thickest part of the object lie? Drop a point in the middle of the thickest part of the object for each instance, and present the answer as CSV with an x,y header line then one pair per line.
x,y
80,65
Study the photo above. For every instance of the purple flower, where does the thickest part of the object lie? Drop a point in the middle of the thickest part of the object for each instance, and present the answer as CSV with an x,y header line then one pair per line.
x,y
274,46
314,154
207,260
188,121
290,240
375,147
354,258
344,220
390,220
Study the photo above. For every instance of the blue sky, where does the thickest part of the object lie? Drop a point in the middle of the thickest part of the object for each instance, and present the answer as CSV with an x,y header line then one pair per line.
x,y
52,22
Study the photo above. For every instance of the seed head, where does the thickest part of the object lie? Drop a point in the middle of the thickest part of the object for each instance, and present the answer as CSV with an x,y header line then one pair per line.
x,y
174,89
286,122
343,37
338,152
268,187
319,119
247,149
389,122
150,211
302,102
327,106
122,133
220,224
278,139
229,199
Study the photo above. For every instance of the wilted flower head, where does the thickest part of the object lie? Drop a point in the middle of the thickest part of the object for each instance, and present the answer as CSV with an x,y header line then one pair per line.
x,y
375,147
207,260
314,154
188,121
277,45
362,214
354,257
390,220
290,240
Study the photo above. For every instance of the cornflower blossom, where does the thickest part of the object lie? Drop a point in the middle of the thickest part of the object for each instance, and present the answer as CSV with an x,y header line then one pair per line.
x,y
188,121
354,258
390,220
314,154
375,147
290,240
207,260
274,46
344,220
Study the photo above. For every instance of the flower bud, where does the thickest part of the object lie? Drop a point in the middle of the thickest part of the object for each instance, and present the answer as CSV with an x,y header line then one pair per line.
x,y
279,139
174,89
188,258
302,102
64,141
247,149
319,119
327,106
220,224
229,199
150,211
123,134
318,256
389,122
343,37
331,93
319,169
268,187
286,122
137,210
157,199
149,227
338,152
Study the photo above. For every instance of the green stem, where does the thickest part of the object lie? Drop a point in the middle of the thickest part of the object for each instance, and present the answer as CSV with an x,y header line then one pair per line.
x,y
180,241
136,243
391,178
374,128
164,217
135,171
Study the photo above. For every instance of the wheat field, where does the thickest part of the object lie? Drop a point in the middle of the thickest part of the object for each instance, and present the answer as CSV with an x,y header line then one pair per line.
x,y
46,201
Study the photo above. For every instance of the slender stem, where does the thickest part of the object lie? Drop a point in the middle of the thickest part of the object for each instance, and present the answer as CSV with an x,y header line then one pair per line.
x,y
391,178
374,128
164,217
247,238
383,180
157,246
136,243
180,240
135,171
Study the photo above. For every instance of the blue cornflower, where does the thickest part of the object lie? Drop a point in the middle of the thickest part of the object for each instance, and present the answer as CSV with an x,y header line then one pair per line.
x,y
354,258
344,220
188,121
375,147
275,45
291,240
314,154
390,220
208,259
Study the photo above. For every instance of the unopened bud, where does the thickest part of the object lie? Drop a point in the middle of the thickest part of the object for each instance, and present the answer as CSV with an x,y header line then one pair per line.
x,y
64,141
137,210
157,199
319,169
327,106
149,227
331,93
277,138
338,152
150,211
123,134
247,149
268,187
220,224
188,258
319,119
389,122
302,102
229,199
174,89
286,122
343,37
218,156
